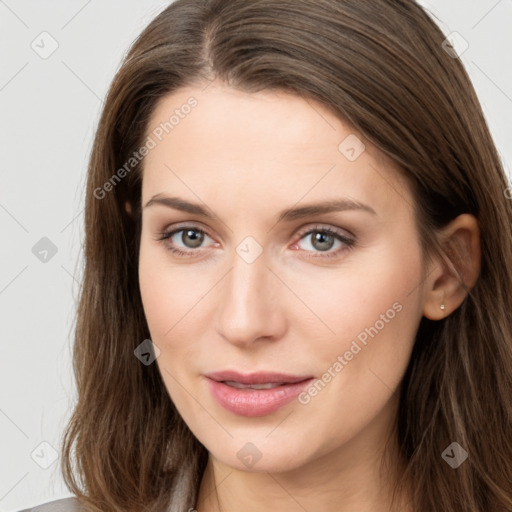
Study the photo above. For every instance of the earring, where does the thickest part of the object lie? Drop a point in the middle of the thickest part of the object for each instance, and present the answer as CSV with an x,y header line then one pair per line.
x,y
442,306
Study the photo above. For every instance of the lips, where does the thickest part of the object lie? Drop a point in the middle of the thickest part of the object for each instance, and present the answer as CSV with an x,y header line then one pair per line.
x,y
255,394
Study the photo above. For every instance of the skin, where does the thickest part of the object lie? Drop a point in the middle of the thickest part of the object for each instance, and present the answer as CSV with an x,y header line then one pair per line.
x,y
246,157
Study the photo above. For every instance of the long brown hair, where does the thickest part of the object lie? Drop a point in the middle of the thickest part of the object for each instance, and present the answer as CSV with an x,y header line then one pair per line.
x,y
381,67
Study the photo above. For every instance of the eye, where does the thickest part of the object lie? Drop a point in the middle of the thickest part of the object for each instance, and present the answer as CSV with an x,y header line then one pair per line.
x,y
185,240
324,240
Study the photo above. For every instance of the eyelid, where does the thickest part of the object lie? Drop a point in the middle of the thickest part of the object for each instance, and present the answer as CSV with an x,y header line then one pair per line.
x,y
324,227
171,230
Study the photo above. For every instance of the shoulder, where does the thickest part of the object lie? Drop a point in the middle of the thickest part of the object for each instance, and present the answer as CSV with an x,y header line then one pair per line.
x,y
64,505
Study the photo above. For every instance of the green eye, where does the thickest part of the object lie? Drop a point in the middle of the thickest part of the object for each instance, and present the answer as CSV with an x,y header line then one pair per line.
x,y
322,240
192,237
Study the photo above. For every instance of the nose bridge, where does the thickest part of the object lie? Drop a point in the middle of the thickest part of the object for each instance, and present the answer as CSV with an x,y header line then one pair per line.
x,y
248,307
247,284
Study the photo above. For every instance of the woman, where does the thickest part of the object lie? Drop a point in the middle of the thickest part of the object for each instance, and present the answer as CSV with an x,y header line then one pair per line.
x,y
296,293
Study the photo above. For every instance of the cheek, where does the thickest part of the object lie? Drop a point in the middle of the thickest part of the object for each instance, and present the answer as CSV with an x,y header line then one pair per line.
x,y
375,317
171,297
169,292
366,290
176,303
154,289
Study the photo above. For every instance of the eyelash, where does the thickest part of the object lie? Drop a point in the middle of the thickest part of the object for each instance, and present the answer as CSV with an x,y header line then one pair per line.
x,y
348,242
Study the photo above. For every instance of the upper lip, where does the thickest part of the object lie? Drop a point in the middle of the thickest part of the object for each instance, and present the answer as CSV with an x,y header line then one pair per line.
x,y
256,377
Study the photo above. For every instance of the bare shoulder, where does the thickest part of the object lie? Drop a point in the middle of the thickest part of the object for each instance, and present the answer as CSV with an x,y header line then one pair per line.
x,y
63,505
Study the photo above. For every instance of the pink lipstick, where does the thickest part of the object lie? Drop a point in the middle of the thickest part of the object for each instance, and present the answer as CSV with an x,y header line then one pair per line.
x,y
255,394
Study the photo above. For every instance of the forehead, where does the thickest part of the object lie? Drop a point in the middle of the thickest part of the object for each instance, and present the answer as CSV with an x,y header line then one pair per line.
x,y
232,142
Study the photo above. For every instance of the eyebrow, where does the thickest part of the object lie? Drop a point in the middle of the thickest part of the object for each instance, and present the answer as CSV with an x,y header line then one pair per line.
x,y
294,213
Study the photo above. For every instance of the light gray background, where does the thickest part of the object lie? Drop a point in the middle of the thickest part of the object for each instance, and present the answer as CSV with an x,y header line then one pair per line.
x,y
49,109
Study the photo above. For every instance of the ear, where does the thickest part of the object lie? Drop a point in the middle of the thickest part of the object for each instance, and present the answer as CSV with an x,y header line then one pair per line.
x,y
461,261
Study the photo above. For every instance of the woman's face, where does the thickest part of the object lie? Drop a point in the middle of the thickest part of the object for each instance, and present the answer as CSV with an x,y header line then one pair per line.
x,y
286,297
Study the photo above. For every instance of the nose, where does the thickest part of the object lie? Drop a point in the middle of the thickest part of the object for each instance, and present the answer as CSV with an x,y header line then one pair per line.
x,y
250,304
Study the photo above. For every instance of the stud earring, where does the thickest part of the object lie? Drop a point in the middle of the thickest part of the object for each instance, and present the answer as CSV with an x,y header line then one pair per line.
x,y
442,306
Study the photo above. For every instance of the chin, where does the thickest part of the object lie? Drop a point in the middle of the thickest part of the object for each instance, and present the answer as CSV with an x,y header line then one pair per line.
x,y
257,452
269,463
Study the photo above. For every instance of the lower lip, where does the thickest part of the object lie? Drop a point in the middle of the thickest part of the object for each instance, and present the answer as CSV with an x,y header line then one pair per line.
x,y
255,402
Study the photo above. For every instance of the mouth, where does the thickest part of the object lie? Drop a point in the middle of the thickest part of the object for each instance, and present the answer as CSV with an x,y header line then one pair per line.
x,y
239,385
254,379
255,394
